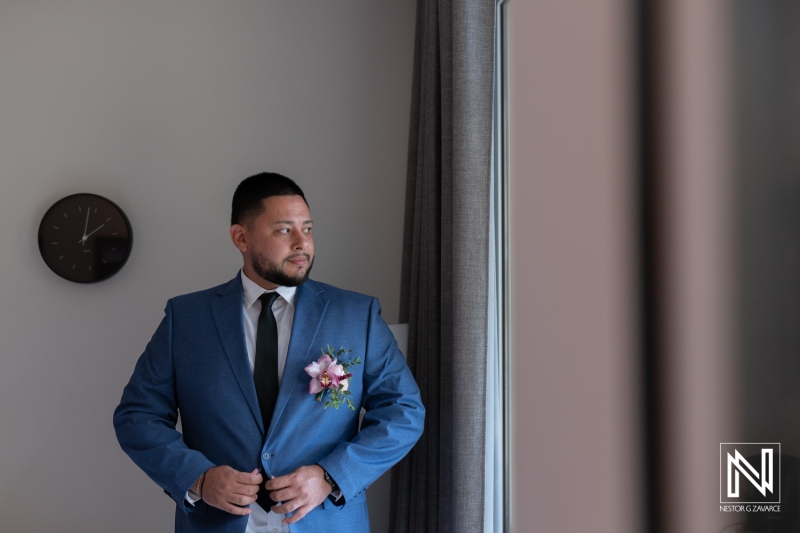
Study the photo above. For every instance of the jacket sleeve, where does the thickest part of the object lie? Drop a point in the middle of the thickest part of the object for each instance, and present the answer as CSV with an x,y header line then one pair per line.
x,y
394,416
146,417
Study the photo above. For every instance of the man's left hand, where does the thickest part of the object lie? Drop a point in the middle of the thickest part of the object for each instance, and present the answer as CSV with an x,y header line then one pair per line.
x,y
300,491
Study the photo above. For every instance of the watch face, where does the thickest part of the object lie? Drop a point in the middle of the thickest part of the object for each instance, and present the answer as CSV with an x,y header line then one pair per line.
x,y
85,238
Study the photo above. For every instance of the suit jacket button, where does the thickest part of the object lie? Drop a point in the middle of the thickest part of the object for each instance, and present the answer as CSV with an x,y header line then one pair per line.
x,y
265,456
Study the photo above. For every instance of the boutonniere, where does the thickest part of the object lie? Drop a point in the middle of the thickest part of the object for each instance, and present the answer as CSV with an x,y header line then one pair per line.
x,y
329,375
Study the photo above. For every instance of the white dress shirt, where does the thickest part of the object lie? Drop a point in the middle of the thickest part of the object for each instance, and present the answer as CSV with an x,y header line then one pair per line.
x,y
283,309
261,521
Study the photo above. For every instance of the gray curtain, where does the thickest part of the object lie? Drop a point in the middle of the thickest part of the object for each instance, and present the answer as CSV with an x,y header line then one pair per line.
x,y
438,487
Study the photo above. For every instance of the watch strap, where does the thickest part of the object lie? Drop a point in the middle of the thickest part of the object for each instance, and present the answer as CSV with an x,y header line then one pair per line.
x,y
329,480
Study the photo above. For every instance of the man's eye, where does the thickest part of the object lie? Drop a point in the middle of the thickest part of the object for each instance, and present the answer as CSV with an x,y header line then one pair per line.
x,y
307,230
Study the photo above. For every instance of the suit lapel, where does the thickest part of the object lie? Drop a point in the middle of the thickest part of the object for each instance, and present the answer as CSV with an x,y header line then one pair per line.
x,y
310,306
227,310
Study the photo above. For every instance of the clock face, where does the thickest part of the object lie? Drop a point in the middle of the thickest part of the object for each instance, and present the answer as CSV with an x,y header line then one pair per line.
x,y
85,238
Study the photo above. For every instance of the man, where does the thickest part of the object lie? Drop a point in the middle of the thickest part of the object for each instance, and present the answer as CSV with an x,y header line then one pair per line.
x,y
213,359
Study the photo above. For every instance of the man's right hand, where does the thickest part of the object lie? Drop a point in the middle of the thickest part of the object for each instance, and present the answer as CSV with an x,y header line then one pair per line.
x,y
230,490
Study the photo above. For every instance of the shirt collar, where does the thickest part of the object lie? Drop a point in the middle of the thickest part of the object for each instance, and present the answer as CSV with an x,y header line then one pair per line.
x,y
251,291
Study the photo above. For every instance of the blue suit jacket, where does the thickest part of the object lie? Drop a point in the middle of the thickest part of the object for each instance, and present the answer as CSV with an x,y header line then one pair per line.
x,y
196,364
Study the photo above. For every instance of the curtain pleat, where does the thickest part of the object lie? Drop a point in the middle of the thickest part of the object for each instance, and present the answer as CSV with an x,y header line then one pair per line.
x,y
438,487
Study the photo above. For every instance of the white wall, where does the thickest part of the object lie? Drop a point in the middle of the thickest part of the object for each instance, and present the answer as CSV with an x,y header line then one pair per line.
x,y
163,107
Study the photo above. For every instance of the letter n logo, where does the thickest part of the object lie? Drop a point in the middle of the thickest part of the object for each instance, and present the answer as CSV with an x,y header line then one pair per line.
x,y
750,472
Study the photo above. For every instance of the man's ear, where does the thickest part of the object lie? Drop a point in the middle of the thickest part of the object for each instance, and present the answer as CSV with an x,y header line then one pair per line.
x,y
238,237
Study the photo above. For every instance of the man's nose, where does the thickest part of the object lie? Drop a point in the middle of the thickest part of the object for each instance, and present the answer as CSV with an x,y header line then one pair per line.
x,y
300,240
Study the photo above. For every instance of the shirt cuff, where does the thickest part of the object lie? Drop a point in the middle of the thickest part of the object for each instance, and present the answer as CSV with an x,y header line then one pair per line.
x,y
191,498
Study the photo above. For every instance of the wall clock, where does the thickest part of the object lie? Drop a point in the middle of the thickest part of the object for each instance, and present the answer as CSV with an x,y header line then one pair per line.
x,y
85,238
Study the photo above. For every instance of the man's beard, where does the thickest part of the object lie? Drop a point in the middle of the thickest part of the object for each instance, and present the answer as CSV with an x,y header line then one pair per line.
x,y
271,272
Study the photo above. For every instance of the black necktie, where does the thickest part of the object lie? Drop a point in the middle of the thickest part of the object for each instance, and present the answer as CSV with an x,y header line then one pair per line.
x,y
265,373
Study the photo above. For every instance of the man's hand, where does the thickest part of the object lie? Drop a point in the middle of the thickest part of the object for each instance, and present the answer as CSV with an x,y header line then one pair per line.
x,y
300,491
229,489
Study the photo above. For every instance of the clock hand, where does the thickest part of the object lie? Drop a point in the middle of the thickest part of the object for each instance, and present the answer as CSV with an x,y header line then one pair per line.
x,y
83,239
85,226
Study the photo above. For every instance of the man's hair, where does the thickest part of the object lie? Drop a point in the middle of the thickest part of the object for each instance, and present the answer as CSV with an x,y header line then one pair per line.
x,y
248,198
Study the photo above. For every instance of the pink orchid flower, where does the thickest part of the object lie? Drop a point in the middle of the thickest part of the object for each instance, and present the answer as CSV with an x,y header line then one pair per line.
x,y
326,374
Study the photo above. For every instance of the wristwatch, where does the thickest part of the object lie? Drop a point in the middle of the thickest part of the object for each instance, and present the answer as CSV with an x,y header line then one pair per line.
x,y
329,480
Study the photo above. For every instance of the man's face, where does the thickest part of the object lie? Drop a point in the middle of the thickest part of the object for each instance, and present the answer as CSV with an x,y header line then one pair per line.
x,y
277,245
